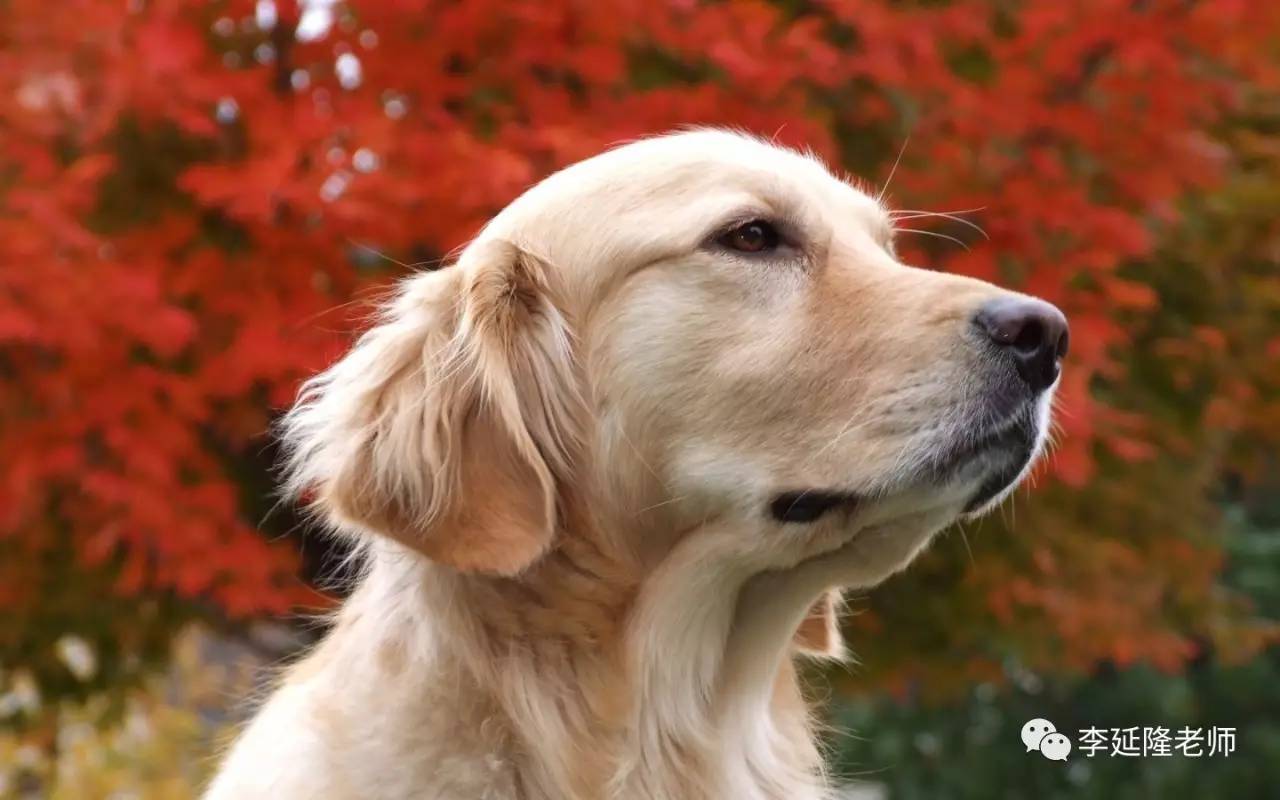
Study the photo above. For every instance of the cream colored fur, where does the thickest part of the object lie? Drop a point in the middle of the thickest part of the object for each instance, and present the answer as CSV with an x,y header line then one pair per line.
x,y
557,456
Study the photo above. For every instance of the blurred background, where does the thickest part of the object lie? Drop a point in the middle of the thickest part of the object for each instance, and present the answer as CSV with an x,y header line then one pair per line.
x,y
200,201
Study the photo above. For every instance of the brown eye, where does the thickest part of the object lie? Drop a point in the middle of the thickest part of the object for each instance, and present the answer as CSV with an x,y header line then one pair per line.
x,y
756,236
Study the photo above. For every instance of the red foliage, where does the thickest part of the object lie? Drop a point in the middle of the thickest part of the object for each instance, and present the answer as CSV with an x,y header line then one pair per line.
x,y
185,193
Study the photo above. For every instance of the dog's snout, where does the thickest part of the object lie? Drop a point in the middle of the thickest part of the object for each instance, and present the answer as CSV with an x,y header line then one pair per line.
x,y
1032,332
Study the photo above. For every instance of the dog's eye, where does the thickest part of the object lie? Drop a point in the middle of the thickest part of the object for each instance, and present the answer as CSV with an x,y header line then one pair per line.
x,y
756,236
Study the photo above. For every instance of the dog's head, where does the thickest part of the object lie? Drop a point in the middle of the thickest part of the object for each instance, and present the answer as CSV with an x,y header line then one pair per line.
x,y
694,327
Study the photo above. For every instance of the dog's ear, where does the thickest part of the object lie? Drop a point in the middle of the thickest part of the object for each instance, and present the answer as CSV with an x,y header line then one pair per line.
x,y
451,422
819,634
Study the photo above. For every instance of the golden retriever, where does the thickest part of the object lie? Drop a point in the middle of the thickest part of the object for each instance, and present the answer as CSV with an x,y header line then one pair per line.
x,y
610,470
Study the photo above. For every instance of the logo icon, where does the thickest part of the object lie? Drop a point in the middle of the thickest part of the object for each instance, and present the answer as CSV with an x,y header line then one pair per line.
x,y
1055,747
1041,735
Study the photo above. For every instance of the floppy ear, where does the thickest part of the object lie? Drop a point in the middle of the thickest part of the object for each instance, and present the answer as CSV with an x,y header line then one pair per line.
x,y
819,634
449,425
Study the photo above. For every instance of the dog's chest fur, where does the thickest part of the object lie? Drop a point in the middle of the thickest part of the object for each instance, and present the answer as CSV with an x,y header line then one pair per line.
x,y
385,709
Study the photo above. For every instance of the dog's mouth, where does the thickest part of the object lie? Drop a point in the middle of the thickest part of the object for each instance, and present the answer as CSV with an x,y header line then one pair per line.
x,y
809,505
1004,450
999,454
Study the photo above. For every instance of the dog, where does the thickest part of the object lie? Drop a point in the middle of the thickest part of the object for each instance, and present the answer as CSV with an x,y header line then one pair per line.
x,y
610,470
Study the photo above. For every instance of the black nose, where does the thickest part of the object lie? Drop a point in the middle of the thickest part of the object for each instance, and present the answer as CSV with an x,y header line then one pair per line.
x,y
1032,332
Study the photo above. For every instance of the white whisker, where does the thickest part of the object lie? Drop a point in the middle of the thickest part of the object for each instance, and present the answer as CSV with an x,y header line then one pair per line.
x,y
964,537
893,169
943,215
932,233
668,502
900,211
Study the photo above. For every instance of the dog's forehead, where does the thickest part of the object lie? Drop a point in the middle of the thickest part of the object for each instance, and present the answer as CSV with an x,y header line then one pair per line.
x,y
711,148
660,198
677,170
722,159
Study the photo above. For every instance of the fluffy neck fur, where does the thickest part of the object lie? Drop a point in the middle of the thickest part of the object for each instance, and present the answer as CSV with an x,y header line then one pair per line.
x,y
597,685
